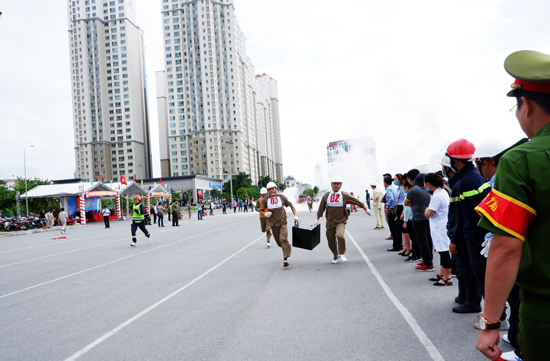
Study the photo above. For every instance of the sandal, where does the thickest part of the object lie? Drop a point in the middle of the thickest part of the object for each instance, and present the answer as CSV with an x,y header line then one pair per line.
x,y
436,278
446,282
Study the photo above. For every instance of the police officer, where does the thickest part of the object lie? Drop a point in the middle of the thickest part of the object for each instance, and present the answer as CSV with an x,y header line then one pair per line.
x,y
138,220
264,223
517,212
466,238
272,208
335,204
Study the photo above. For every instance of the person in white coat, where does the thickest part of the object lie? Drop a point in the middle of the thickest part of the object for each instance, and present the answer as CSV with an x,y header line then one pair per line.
x,y
437,213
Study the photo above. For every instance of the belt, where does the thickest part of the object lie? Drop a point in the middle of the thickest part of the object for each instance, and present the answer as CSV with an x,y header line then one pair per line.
x,y
529,296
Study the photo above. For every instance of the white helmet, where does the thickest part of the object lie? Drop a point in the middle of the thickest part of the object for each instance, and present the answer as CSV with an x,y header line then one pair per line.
x,y
271,185
336,179
263,190
489,148
446,161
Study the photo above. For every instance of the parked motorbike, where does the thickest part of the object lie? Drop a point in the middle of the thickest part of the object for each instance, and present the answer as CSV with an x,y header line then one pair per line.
x,y
17,224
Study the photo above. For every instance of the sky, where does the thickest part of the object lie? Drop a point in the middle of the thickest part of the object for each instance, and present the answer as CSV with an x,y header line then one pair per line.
x,y
413,75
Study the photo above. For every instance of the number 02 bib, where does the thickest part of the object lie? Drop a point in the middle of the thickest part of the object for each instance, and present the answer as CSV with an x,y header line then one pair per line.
x,y
335,199
274,202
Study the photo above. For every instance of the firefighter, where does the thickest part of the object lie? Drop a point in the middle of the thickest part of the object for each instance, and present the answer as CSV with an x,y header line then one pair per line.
x,y
264,222
335,204
272,208
138,221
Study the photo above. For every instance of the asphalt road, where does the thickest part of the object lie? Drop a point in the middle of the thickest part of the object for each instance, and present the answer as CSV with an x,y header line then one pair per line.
x,y
212,290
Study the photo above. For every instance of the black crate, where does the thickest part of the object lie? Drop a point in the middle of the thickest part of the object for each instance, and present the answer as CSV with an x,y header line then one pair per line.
x,y
306,236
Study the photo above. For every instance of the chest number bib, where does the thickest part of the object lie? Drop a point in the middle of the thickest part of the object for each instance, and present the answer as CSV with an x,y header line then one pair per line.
x,y
335,200
274,203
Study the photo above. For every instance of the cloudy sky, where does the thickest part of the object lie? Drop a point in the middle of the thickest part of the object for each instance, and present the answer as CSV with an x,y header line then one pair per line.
x,y
413,75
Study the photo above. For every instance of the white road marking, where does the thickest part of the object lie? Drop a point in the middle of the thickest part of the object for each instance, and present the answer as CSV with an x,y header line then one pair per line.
x,y
57,254
155,305
432,350
117,260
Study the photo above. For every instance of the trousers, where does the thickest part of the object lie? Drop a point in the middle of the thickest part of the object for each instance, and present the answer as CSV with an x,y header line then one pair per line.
x,y
280,234
378,216
336,240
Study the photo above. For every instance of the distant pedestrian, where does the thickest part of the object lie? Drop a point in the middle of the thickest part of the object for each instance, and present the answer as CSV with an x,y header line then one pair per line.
x,y
62,217
138,220
199,211
234,206
49,219
367,197
154,213
175,218
224,207
240,205
160,215
212,207
106,213
245,205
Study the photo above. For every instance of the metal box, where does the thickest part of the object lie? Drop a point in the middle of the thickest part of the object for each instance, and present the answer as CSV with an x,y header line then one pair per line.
x,y
305,236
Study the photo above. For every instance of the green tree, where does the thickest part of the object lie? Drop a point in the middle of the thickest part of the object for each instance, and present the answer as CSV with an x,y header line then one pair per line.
x,y
316,190
262,182
253,192
35,204
241,180
309,192
214,193
281,186
242,193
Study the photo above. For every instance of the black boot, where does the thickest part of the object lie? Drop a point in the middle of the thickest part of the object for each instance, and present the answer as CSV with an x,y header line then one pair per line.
x,y
473,300
461,298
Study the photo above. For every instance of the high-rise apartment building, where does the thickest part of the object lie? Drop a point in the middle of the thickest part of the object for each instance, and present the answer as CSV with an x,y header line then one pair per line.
x,y
111,134
216,117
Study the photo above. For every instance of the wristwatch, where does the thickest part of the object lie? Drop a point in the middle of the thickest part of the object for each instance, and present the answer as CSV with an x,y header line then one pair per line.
x,y
485,325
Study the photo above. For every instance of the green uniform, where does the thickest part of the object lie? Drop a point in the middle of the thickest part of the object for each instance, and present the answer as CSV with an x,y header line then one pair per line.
x,y
519,207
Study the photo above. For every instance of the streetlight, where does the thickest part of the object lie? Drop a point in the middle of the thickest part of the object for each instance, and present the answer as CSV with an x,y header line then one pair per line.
x,y
231,186
25,167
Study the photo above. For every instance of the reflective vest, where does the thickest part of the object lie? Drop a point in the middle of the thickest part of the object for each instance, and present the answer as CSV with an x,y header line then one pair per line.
x,y
137,216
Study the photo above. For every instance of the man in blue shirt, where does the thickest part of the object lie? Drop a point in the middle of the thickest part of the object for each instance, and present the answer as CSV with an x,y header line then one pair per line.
x,y
391,203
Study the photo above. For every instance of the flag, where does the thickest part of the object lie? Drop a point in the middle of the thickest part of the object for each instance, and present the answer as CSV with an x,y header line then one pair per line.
x,y
155,184
123,180
135,178
160,180
142,182
100,177
171,190
91,182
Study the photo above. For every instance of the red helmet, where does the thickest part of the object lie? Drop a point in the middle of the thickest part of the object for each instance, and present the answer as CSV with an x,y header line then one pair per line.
x,y
137,198
461,149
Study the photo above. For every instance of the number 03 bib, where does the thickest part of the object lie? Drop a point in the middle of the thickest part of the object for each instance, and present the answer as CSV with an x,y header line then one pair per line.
x,y
274,202
335,199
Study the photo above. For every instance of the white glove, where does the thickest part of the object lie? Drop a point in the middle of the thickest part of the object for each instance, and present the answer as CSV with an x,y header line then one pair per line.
x,y
316,223
296,219
267,214
486,245
367,211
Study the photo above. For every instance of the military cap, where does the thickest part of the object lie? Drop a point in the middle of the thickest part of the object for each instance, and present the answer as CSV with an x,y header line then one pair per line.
x,y
531,70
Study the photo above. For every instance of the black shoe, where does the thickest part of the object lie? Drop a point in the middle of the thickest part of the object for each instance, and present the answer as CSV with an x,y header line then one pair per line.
x,y
393,249
410,259
467,307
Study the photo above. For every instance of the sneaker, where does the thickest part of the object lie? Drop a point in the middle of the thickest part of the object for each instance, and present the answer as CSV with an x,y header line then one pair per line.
x,y
334,261
424,268
420,263
506,339
343,258
149,239
268,244
410,259
285,263
510,356
133,244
